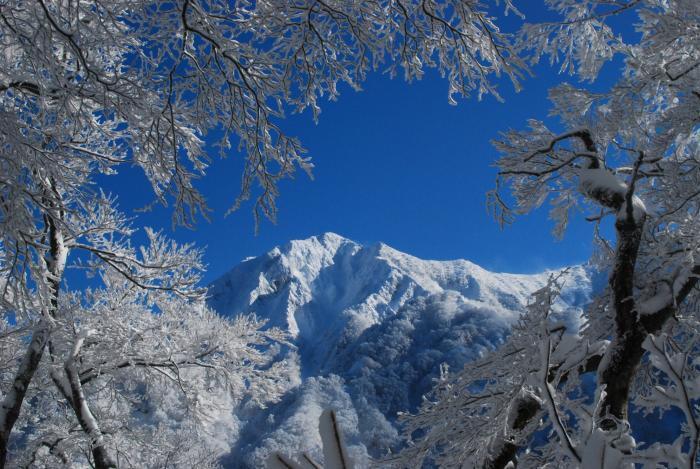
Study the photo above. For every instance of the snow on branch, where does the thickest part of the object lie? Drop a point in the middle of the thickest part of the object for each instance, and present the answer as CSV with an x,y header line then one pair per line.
x,y
335,453
483,414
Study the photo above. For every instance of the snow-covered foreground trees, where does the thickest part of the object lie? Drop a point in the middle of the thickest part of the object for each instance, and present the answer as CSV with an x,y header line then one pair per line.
x,y
151,390
629,155
87,87
119,374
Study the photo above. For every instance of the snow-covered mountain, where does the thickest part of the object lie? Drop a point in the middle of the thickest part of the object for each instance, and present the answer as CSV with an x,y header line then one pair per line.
x,y
371,326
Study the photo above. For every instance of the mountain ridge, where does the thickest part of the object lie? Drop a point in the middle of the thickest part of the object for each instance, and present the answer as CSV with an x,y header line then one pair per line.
x,y
371,326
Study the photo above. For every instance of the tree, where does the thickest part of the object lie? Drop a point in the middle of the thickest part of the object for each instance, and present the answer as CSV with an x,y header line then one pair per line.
x,y
133,366
629,157
158,390
87,87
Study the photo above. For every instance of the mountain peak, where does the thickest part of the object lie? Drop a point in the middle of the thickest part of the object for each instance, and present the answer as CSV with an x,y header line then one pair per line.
x,y
371,326
329,236
329,279
326,243
328,239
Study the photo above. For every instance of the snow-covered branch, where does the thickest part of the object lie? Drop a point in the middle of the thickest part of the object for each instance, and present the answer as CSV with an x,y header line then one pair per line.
x,y
485,413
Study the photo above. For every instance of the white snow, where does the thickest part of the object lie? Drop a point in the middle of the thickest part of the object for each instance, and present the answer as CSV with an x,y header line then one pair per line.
x,y
601,178
657,302
380,322
603,181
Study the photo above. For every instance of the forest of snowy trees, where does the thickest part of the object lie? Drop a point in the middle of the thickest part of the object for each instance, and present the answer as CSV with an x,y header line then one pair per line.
x,y
133,371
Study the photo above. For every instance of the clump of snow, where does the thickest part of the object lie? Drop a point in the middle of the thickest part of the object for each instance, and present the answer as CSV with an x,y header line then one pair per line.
x,y
606,187
663,297
592,179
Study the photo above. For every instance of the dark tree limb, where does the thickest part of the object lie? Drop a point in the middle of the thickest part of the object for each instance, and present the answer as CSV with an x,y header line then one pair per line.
x,y
12,403
625,351
504,451
525,410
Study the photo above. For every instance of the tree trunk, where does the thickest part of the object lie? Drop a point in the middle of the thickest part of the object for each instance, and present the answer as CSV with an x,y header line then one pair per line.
x,y
504,450
12,404
87,420
625,352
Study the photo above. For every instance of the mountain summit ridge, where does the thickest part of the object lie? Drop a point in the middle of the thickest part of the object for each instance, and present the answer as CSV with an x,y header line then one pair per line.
x,y
311,263
371,326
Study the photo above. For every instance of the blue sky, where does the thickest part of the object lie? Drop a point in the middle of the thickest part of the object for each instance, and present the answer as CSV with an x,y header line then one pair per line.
x,y
394,163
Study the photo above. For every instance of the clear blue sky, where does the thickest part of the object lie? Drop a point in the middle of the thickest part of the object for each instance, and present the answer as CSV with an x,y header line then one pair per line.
x,y
394,163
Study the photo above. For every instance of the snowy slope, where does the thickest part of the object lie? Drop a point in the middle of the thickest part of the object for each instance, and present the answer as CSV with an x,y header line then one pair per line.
x,y
372,326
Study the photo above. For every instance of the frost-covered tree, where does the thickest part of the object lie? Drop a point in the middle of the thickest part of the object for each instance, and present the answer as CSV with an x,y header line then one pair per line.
x,y
121,375
629,158
87,87
493,402
151,390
